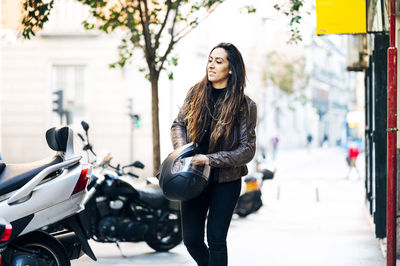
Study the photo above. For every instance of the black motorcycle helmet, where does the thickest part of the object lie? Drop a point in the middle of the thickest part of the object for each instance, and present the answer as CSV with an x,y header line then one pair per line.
x,y
178,178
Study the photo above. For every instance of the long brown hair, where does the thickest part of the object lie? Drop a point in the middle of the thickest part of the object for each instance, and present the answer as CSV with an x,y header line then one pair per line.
x,y
226,110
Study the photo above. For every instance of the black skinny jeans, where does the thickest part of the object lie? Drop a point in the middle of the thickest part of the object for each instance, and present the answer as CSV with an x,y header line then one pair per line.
x,y
219,199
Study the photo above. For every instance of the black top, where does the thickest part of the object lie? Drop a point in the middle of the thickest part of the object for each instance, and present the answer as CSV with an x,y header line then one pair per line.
x,y
205,142
216,94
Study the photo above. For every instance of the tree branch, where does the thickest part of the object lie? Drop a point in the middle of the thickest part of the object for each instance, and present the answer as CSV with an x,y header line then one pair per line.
x,y
172,41
146,13
158,35
169,49
131,24
125,8
146,32
174,20
189,27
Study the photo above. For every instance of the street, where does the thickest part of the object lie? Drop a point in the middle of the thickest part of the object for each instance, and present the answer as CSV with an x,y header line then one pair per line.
x,y
322,74
312,216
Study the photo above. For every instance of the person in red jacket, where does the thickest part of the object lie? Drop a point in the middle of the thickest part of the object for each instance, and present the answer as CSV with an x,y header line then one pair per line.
x,y
352,156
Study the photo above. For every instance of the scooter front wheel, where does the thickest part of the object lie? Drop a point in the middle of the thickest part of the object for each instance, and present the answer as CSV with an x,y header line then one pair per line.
x,y
37,248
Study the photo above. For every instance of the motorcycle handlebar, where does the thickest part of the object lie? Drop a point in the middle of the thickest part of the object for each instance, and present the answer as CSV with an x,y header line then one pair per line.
x,y
132,174
87,145
91,150
81,137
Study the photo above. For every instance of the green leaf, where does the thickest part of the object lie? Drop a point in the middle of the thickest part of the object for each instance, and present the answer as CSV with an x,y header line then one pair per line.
x,y
295,19
296,5
87,25
194,23
175,61
250,9
35,14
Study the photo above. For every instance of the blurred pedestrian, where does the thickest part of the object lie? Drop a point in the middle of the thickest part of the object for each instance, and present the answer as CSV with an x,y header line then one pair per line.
x,y
324,142
221,118
275,142
309,141
352,155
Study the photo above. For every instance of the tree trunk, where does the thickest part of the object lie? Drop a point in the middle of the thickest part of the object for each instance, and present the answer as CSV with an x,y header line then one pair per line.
x,y
155,123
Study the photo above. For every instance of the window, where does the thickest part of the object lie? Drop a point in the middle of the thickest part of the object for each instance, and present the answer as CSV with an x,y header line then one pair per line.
x,y
70,80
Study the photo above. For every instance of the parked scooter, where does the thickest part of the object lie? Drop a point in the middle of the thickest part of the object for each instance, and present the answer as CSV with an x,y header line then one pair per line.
x,y
36,194
5,234
119,210
250,199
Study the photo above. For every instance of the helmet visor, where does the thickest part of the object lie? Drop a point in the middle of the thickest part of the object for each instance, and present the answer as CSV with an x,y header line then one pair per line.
x,y
184,165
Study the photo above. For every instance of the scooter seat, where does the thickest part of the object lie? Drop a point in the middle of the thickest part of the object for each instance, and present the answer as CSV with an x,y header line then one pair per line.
x,y
152,195
14,176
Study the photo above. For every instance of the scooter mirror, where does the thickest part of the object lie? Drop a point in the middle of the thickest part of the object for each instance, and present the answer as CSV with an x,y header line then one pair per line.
x,y
137,164
85,125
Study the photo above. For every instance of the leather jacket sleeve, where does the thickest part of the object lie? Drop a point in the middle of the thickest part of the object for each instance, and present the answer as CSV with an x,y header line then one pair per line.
x,y
178,130
245,151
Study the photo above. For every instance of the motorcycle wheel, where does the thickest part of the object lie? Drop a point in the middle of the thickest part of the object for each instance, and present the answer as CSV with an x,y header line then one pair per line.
x,y
164,236
50,251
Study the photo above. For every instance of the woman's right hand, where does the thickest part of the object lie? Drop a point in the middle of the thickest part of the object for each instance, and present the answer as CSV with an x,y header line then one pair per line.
x,y
200,159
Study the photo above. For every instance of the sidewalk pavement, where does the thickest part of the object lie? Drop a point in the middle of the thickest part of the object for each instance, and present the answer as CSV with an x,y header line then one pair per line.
x,y
312,216
315,214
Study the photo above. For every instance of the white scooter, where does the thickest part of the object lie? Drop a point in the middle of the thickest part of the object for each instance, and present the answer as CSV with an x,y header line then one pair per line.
x,y
40,193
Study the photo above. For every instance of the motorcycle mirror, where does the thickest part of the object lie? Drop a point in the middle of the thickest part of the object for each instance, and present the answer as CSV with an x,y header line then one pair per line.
x,y
85,125
136,164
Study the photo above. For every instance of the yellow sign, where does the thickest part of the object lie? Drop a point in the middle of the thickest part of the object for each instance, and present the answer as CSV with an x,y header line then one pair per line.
x,y
341,16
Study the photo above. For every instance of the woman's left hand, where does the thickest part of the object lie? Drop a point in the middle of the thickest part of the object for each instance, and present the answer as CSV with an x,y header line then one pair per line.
x,y
200,159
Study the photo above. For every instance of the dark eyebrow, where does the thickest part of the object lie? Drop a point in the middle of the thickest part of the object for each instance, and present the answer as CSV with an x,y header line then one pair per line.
x,y
216,57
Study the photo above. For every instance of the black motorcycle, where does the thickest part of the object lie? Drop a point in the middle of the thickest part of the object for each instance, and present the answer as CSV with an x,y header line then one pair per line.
x,y
250,199
118,210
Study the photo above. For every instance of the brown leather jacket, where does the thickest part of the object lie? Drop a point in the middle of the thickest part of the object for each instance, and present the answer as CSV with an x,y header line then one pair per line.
x,y
236,151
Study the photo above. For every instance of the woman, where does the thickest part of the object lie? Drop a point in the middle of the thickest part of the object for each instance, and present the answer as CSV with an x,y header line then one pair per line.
x,y
219,117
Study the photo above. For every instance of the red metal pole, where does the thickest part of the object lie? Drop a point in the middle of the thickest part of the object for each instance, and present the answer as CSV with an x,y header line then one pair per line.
x,y
391,141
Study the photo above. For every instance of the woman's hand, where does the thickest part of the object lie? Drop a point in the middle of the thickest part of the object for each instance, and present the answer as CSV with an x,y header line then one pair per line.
x,y
200,159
